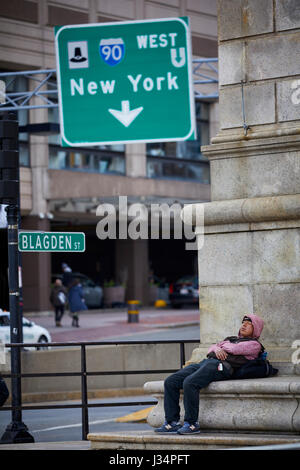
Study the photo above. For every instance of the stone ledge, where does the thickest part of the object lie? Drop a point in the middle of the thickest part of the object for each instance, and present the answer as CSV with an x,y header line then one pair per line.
x,y
274,385
256,405
148,440
248,227
241,211
260,139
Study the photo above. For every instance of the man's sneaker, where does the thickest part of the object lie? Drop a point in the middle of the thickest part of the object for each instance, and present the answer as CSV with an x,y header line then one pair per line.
x,y
169,427
189,428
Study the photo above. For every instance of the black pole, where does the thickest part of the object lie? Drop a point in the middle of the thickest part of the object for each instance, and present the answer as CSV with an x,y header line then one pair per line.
x,y
16,431
182,355
84,395
20,274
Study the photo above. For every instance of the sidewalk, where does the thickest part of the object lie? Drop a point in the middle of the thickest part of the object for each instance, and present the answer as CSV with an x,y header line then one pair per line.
x,y
147,440
70,445
97,325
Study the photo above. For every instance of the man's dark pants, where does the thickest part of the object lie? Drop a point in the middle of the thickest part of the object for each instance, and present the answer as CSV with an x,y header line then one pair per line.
x,y
59,311
191,379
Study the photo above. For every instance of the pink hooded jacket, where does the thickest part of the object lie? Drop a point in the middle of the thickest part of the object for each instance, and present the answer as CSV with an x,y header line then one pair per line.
x,y
249,349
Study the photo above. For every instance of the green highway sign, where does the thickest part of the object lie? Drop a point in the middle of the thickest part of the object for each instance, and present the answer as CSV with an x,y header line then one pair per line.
x,y
125,82
51,241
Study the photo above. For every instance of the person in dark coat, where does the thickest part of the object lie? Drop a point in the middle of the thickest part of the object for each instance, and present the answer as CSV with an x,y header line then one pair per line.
x,y
76,301
58,299
222,360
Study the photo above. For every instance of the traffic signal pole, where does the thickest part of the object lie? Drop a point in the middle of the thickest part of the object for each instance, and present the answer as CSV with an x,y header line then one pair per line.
x,y
16,431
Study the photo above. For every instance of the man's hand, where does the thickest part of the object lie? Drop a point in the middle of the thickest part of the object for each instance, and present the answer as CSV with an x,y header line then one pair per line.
x,y
221,354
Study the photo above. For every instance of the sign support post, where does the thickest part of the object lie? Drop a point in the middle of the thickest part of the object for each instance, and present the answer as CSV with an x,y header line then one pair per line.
x,y
16,431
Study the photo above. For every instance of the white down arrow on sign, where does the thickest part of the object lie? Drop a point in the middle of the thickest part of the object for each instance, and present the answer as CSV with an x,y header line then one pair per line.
x,y
125,116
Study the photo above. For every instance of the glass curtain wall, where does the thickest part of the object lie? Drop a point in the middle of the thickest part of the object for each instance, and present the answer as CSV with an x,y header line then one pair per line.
x,y
182,160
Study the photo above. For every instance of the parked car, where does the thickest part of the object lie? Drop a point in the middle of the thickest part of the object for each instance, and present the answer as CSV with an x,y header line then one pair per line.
x,y
93,294
185,291
32,333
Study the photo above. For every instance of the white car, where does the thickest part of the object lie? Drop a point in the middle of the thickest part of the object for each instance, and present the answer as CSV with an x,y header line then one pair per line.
x,y
32,333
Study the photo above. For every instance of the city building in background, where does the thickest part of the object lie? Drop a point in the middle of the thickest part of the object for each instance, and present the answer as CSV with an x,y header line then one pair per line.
x,y
61,187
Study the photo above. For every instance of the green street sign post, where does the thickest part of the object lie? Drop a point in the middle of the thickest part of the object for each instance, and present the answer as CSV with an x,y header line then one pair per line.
x,y
52,241
125,82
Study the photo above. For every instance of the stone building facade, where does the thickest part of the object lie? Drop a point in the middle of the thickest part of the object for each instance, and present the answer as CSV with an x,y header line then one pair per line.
x,y
250,261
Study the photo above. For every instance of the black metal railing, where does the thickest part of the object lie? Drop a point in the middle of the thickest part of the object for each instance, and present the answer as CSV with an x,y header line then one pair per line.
x,y
84,373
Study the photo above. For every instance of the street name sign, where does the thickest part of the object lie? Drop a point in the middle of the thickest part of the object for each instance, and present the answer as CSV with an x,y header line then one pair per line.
x,y
125,82
51,241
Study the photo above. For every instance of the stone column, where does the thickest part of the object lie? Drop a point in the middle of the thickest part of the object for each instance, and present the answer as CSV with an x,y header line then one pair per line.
x,y
136,160
36,272
250,261
132,265
214,120
132,255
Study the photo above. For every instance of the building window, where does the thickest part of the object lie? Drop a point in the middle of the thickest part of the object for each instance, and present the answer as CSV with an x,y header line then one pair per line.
x,y
24,154
99,159
178,169
87,160
22,10
182,160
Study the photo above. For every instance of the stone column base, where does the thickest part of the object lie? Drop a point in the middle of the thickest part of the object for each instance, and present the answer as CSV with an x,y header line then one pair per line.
x,y
256,405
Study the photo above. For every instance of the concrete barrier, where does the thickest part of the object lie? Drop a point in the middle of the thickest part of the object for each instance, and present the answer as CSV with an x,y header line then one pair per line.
x,y
99,359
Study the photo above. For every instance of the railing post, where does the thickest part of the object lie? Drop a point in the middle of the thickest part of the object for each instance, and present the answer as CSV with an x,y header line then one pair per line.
x,y
84,395
182,354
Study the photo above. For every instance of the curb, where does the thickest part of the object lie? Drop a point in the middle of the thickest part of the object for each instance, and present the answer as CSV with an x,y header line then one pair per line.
x,y
69,396
49,313
137,416
177,325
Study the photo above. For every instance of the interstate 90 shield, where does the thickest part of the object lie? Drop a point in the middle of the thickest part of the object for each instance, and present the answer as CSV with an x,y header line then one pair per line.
x,y
112,51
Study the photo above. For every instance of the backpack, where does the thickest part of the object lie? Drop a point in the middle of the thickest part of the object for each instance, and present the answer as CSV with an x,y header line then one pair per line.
x,y
255,369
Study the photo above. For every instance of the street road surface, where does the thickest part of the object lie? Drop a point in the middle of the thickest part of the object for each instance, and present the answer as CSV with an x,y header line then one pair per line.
x,y
65,424
98,325
183,333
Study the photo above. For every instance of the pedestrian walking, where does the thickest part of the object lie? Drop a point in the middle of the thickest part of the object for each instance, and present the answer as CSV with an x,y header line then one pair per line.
x,y
58,299
76,301
223,359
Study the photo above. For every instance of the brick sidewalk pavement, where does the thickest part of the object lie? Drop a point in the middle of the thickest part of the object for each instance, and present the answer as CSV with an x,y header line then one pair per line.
x,y
101,325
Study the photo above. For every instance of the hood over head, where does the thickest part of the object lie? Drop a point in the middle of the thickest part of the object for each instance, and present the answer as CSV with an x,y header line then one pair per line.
x,y
257,323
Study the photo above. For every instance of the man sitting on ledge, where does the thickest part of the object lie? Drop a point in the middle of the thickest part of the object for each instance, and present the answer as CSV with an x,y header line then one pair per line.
x,y
222,360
